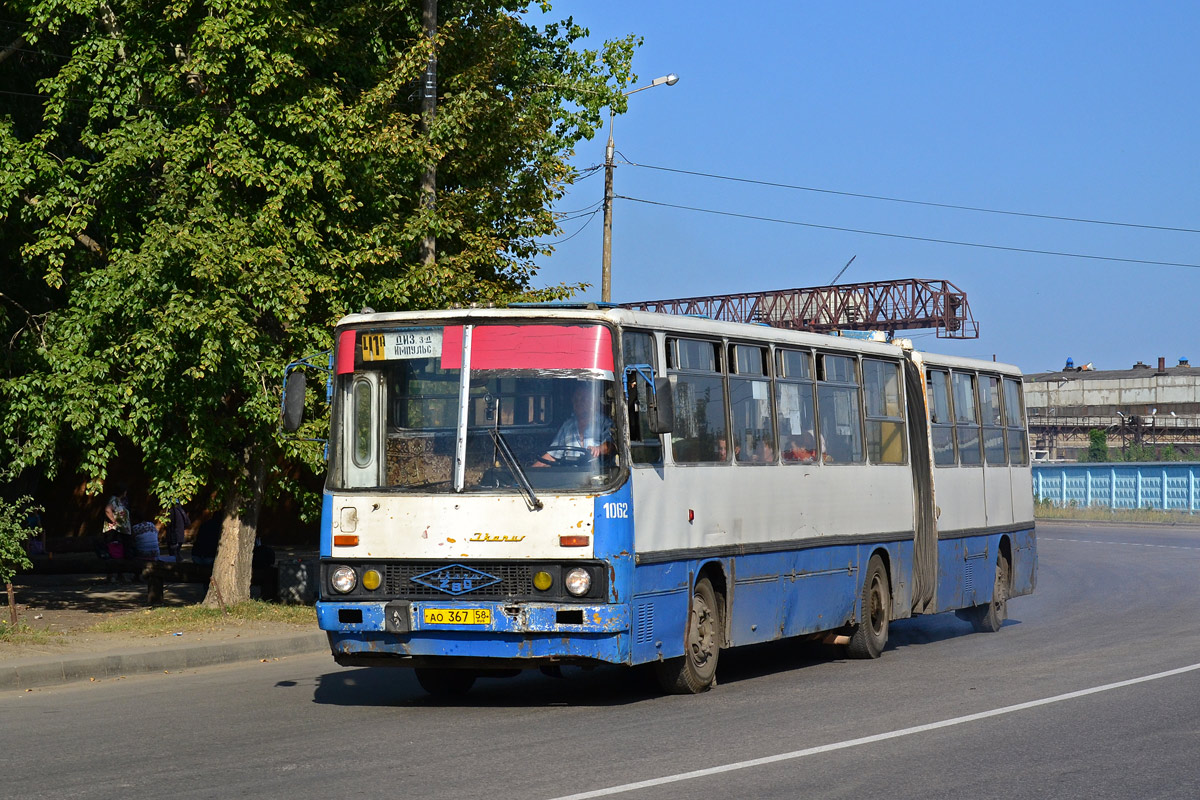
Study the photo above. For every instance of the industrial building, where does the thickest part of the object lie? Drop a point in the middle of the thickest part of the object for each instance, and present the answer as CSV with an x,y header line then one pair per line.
x,y
1145,406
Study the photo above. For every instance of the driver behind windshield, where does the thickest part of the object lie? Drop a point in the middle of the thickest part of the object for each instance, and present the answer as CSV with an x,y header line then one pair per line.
x,y
586,433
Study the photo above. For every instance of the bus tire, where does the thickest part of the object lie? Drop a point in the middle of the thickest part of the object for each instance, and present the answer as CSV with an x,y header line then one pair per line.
x,y
989,617
871,634
445,684
696,670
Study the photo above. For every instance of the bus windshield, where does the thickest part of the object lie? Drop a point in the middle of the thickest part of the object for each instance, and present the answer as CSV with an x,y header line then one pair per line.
x,y
545,392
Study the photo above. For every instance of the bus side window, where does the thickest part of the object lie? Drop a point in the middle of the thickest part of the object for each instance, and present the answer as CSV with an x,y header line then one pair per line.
x,y
940,417
796,406
966,422
699,434
753,429
993,424
1014,421
645,447
838,409
885,412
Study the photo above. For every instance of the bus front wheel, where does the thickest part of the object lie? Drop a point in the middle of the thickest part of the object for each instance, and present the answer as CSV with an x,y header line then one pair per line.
x,y
445,684
696,669
871,634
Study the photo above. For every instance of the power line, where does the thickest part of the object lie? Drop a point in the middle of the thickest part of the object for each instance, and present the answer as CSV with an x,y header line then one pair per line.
x,y
590,217
913,238
584,210
916,202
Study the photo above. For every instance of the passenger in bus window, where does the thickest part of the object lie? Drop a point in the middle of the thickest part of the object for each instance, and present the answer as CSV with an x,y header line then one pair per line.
x,y
764,451
586,433
801,449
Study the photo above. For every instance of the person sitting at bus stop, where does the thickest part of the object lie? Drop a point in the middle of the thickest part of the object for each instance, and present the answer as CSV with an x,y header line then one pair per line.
x,y
588,430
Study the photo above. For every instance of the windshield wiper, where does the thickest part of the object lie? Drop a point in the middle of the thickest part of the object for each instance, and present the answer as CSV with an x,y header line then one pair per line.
x,y
510,461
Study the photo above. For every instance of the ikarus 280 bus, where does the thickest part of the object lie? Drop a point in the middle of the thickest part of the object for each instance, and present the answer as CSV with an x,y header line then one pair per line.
x,y
539,486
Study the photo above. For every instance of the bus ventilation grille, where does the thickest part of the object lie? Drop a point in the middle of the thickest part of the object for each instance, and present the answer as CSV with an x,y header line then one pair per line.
x,y
645,623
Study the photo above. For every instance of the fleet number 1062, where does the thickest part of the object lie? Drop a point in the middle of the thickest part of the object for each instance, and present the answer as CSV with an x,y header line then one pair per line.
x,y
616,510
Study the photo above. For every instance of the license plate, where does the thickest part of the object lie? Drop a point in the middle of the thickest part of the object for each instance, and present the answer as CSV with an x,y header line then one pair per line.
x,y
457,616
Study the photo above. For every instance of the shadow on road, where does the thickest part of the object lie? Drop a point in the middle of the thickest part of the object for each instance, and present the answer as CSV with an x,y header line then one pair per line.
x,y
610,685
385,686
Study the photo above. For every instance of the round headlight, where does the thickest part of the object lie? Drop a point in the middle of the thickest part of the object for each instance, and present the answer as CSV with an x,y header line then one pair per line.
x,y
542,580
372,579
578,581
343,579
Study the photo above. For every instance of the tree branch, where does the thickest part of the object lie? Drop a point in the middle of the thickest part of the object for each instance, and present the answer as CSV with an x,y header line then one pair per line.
x,y
108,18
80,236
32,320
16,45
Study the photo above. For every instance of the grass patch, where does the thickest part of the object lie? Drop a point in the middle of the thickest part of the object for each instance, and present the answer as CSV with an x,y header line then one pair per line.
x,y
1103,514
23,634
153,621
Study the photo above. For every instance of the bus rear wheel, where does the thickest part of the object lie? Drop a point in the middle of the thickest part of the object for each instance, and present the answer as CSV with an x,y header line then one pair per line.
x,y
445,684
871,634
696,669
989,617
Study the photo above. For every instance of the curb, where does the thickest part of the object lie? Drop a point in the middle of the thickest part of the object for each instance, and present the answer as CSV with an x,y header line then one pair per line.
x,y
1116,523
113,665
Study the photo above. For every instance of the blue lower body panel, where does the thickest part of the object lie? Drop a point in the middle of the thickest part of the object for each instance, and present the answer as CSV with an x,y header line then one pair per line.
x,y
767,596
522,634
967,568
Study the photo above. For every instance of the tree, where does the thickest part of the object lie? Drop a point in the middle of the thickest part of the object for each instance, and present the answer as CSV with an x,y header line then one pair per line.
x,y
194,192
15,528
1097,446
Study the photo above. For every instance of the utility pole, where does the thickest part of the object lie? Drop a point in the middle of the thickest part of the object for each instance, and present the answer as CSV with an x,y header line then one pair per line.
x,y
606,256
606,259
428,109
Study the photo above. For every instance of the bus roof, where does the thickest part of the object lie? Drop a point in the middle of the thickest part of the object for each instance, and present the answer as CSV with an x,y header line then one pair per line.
x,y
684,325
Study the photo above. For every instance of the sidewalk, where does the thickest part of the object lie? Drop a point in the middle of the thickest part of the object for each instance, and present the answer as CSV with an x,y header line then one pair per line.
x,y
67,607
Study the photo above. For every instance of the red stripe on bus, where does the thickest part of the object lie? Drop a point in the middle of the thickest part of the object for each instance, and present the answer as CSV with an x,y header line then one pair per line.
x,y
345,352
531,347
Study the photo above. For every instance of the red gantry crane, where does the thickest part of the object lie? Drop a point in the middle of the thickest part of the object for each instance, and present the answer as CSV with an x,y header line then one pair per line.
x,y
889,306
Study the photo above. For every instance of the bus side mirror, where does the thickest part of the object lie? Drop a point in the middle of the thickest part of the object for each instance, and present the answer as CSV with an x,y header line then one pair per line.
x,y
660,408
293,400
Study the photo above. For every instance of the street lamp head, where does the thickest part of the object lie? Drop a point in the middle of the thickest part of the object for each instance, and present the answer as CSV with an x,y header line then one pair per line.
x,y
669,80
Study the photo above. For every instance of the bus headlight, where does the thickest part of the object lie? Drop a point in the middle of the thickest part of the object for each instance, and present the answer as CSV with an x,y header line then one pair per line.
x,y
578,581
343,579
372,579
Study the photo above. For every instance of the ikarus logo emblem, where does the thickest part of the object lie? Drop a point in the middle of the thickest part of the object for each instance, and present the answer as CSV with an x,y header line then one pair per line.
x,y
455,579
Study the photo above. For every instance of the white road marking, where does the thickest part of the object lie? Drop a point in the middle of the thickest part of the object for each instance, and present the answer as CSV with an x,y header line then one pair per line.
x,y
879,737
1127,544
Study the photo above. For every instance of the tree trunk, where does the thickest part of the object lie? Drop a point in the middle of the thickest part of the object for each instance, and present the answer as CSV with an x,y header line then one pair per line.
x,y
231,571
12,604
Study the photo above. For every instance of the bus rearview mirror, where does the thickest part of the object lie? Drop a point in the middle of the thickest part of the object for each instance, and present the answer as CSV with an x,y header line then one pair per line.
x,y
293,400
661,407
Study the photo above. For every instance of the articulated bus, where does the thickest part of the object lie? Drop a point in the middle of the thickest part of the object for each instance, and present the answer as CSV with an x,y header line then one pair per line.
x,y
551,485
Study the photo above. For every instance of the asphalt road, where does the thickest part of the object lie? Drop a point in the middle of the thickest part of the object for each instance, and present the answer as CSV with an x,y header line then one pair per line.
x,y
1092,690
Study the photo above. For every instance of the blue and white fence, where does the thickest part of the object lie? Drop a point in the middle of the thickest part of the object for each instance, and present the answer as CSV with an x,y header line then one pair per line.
x,y
1165,486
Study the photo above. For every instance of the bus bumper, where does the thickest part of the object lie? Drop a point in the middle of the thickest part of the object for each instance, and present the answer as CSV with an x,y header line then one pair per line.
x,y
520,634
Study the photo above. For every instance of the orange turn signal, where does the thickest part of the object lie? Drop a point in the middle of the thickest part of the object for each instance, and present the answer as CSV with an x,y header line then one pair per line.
x,y
573,540
345,541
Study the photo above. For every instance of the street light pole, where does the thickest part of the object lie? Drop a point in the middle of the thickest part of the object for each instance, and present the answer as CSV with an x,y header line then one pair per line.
x,y
606,259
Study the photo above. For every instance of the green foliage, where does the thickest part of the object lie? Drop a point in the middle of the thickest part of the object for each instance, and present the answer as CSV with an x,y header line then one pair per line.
x,y
1097,447
1144,452
192,193
15,528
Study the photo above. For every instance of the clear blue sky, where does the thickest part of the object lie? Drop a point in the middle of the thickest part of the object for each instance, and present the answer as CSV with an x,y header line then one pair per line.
x,y
1083,109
